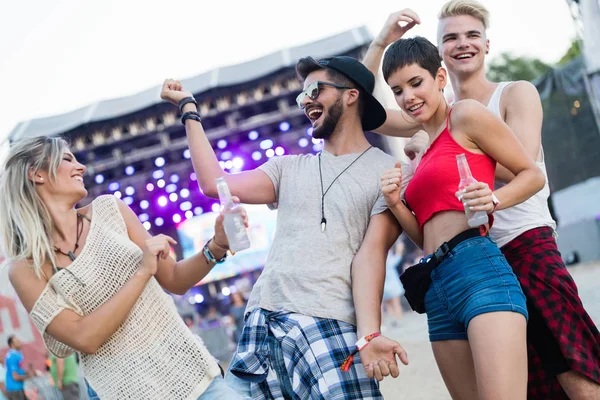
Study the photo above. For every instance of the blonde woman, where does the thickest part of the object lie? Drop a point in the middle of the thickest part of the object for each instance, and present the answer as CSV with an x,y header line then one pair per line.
x,y
92,280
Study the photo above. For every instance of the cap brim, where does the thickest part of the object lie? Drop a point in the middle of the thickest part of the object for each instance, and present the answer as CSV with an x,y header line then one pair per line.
x,y
374,114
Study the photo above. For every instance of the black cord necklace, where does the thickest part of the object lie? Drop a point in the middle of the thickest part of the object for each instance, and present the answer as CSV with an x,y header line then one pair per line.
x,y
71,254
323,193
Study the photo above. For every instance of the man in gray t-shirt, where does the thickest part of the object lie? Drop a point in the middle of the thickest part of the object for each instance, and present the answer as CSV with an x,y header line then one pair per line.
x,y
322,284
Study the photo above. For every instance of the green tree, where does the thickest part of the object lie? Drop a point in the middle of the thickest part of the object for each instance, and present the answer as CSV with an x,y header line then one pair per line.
x,y
507,67
574,51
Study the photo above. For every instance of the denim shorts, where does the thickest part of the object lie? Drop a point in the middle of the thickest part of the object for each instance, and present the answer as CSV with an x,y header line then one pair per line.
x,y
474,278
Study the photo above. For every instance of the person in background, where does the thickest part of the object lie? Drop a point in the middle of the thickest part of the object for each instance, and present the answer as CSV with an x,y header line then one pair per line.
x,y
65,376
237,312
2,379
15,372
392,289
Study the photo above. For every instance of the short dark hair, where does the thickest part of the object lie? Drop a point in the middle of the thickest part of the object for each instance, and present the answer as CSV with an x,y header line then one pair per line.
x,y
307,65
10,340
417,50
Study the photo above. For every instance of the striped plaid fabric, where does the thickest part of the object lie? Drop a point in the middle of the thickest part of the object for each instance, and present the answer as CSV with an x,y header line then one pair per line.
x,y
309,351
550,288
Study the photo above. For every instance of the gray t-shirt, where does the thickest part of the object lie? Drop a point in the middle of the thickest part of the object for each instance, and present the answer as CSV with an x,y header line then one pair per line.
x,y
308,271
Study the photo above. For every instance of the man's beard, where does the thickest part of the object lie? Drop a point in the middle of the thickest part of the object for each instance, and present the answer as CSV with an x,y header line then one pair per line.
x,y
330,122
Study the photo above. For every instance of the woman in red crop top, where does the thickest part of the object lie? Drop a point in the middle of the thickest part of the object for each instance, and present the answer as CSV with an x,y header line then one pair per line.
x,y
475,307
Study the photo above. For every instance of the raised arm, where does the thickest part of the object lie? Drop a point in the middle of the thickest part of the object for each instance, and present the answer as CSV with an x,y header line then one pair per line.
x,y
252,187
393,183
179,277
87,333
524,117
398,123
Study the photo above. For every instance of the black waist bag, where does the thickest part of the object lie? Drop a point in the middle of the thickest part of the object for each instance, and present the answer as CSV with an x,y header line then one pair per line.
x,y
417,279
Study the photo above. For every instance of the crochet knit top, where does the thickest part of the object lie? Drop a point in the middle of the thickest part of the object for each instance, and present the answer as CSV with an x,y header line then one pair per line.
x,y
152,355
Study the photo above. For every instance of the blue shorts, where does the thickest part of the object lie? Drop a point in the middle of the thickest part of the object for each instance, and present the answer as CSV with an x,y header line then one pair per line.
x,y
474,278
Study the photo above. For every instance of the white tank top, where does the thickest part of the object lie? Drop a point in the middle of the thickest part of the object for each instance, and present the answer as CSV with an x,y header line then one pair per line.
x,y
532,213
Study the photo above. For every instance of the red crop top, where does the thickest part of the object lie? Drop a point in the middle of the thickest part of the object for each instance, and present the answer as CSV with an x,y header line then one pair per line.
x,y
435,182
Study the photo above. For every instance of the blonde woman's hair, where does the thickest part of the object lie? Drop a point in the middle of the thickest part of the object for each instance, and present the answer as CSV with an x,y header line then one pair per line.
x,y
475,9
25,222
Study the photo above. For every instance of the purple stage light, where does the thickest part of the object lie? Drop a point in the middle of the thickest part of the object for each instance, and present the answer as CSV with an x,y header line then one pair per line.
x,y
144,204
226,155
176,218
159,173
117,194
189,214
162,201
198,298
226,291
257,155
284,126
238,162
99,179
174,178
198,210
129,190
184,193
147,225
193,177
159,221
222,143
129,170
309,131
160,183
186,154
171,187
114,186
173,197
270,153
253,135
279,151
266,144
185,206
144,217
303,142
228,164
128,200
159,162
317,147
215,207
149,187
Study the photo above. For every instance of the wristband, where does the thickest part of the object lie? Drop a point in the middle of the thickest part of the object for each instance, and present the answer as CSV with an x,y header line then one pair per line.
x,y
360,344
190,115
185,101
210,257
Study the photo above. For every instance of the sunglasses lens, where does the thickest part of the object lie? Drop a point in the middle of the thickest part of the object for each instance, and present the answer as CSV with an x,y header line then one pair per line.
x,y
300,98
313,91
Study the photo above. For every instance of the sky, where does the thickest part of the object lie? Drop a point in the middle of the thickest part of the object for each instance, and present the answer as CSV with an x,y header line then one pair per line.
x,y
59,55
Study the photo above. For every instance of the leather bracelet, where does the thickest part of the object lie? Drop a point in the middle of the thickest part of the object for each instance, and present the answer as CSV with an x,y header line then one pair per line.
x,y
190,115
185,101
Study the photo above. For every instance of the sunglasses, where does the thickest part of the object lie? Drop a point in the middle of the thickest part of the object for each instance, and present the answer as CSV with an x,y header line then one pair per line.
x,y
312,91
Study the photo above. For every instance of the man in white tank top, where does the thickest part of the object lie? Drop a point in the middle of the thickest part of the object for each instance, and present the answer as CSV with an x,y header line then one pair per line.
x,y
564,355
